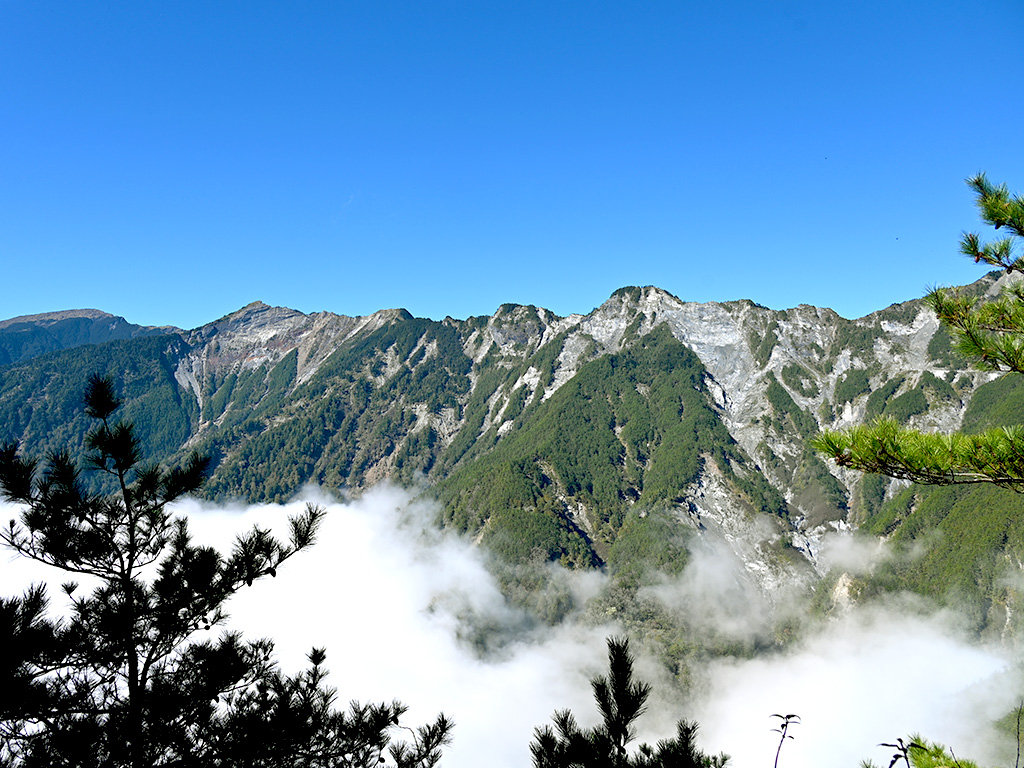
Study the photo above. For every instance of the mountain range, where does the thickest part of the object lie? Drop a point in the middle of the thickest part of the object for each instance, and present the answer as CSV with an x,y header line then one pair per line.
x,y
612,439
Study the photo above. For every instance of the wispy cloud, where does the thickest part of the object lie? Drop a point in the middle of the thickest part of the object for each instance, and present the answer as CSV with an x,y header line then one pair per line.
x,y
404,611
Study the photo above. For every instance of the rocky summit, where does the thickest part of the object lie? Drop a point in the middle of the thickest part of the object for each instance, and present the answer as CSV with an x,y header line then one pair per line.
x,y
544,436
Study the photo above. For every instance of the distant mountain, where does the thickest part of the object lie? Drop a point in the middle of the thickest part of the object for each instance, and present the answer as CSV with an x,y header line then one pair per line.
x,y
582,439
23,338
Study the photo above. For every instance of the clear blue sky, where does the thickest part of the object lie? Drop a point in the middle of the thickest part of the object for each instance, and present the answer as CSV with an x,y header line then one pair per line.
x,y
171,162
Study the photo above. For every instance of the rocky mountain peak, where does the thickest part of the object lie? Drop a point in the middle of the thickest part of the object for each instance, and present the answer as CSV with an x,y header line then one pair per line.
x,y
703,408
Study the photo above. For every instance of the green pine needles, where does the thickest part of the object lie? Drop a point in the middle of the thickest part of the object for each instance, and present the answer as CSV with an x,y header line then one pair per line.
x,y
620,700
884,447
991,332
133,677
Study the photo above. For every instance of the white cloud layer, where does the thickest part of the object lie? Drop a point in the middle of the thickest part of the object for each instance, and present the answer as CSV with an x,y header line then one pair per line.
x,y
390,597
873,676
384,592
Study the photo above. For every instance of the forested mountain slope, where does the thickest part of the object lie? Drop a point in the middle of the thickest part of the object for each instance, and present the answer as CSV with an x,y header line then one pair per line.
x,y
543,434
22,338
956,542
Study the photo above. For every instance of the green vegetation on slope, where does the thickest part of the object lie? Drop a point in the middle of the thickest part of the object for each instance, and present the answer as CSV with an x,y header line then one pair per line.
x,y
649,543
799,379
359,409
788,414
23,341
630,428
41,400
854,384
955,542
958,543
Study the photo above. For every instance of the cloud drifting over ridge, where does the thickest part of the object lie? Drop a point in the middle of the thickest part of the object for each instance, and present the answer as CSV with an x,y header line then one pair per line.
x,y
393,601
389,597
876,675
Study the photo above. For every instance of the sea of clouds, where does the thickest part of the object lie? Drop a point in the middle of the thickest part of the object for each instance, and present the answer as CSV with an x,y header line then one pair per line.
x,y
393,600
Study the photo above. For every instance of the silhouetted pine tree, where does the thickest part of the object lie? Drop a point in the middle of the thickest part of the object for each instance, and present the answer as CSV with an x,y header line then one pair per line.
x,y
621,701
124,680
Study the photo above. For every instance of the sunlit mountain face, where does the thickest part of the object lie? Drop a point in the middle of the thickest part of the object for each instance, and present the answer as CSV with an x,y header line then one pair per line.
x,y
508,491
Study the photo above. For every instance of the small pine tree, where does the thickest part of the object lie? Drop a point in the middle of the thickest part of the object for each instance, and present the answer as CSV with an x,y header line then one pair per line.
x,y
620,701
124,680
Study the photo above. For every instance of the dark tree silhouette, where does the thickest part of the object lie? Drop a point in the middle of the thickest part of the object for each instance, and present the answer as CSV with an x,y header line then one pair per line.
x,y
620,701
130,677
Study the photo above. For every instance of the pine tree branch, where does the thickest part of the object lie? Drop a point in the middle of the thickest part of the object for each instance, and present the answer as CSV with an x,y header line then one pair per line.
x,y
884,447
992,333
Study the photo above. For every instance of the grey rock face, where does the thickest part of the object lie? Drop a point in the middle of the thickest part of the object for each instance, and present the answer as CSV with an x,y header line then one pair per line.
x,y
775,377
